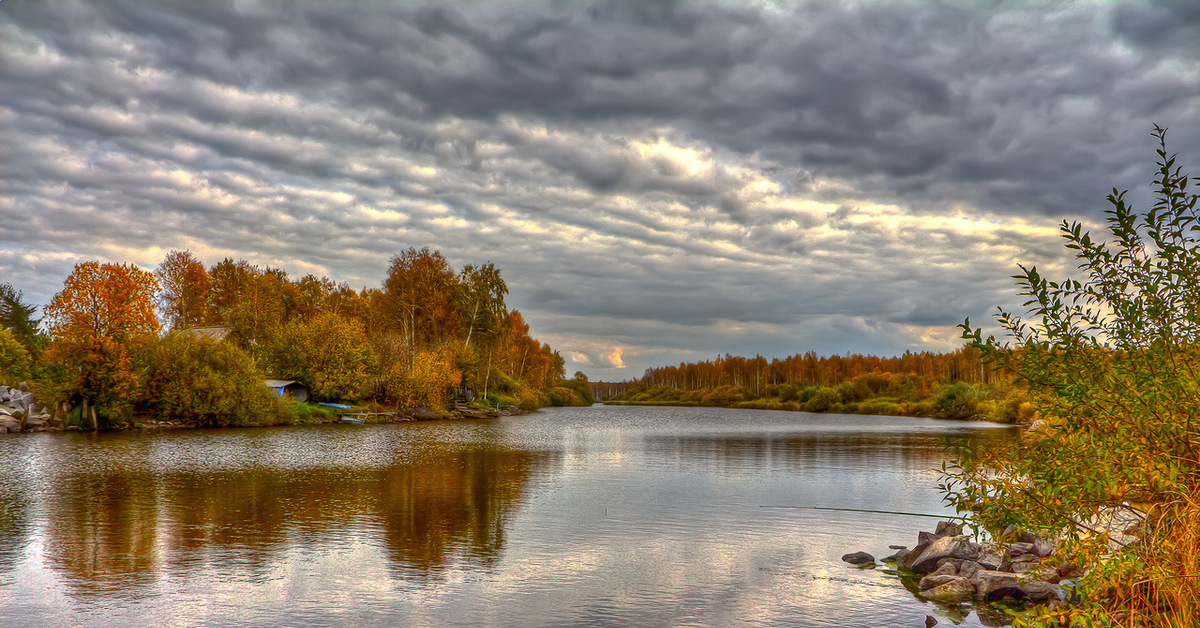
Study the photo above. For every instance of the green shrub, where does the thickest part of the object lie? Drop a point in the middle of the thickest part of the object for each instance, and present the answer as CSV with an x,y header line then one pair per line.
x,y
956,401
823,399
199,380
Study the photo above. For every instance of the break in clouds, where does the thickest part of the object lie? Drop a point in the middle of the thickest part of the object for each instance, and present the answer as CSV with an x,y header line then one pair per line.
x,y
658,181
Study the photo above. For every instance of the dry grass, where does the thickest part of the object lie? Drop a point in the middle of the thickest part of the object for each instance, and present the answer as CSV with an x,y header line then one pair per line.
x,y
1168,593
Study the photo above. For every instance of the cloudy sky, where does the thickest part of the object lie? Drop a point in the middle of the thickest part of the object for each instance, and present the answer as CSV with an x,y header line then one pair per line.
x,y
658,181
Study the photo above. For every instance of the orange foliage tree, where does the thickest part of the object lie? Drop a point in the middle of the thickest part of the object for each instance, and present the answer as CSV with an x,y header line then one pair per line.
x,y
101,319
185,288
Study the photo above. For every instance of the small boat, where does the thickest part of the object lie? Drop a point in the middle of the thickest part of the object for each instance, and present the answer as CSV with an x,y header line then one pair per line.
x,y
353,420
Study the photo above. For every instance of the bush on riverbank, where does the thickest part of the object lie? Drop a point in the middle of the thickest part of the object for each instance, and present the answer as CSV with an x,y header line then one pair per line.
x,y
1111,364
197,380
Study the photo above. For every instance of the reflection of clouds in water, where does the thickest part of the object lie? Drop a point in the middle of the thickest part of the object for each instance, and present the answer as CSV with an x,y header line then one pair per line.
x,y
630,516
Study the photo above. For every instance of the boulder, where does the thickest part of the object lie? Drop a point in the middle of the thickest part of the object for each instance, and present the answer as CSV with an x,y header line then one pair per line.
x,y
897,547
989,557
1030,563
906,561
938,577
859,558
945,547
925,537
11,424
1043,547
897,557
965,568
947,528
23,387
1020,549
994,585
1038,591
955,589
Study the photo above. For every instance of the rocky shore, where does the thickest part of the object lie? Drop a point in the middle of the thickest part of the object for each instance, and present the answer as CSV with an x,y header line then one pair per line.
x,y
20,412
953,569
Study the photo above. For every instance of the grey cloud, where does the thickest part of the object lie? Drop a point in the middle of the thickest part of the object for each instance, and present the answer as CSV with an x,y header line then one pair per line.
x,y
1028,111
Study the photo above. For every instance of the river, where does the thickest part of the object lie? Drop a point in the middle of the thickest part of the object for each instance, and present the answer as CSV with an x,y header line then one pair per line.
x,y
609,515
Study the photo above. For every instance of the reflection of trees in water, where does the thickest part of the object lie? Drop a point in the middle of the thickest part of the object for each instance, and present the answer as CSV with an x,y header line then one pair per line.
x,y
820,450
117,530
102,530
457,502
14,527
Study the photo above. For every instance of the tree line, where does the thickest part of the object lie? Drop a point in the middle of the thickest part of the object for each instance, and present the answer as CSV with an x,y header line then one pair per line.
x,y
194,343
955,384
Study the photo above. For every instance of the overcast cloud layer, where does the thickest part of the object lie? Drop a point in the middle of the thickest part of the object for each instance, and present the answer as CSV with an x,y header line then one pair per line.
x,y
658,182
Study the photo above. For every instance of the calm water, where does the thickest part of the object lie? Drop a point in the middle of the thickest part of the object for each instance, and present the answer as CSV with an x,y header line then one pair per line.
x,y
567,517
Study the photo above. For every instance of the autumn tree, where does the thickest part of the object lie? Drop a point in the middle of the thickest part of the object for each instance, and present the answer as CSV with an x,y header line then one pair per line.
x,y
480,300
419,291
101,319
330,354
184,284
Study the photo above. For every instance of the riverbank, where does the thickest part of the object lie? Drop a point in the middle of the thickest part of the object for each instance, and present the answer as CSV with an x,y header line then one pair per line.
x,y
20,412
958,400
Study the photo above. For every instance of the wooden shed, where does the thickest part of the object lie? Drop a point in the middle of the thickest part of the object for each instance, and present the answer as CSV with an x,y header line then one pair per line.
x,y
295,390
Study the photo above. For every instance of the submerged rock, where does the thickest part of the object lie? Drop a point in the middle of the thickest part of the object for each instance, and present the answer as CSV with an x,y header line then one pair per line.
x,y
859,558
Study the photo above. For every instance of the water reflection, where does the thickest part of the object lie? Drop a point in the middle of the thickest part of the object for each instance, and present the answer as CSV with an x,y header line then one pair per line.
x,y
117,530
630,516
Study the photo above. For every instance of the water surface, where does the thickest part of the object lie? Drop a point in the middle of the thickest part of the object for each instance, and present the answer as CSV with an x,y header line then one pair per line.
x,y
629,516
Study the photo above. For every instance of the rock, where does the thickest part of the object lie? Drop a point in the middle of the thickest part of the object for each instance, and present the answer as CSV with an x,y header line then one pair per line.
x,y
1043,547
1038,591
23,387
939,577
897,557
1071,570
906,561
1017,534
945,547
965,568
1020,549
4,394
925,537
22,399
956,589
931,581
995,585
947,528
11,424
424,414
859,558
3,429
989,557
930,622
897,547
1023,566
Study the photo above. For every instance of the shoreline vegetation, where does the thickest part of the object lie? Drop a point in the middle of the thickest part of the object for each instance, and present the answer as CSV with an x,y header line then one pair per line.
x,y
955,385
190,345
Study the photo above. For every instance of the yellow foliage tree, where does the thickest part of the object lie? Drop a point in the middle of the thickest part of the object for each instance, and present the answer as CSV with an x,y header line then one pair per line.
x,y
102,317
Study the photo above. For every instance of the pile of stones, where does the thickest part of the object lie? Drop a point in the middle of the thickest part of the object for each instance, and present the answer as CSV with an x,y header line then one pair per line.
x,y
20,412
954,569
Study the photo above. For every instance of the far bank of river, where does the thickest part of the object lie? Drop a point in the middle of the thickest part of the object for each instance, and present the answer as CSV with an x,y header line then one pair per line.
x,y
612,515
